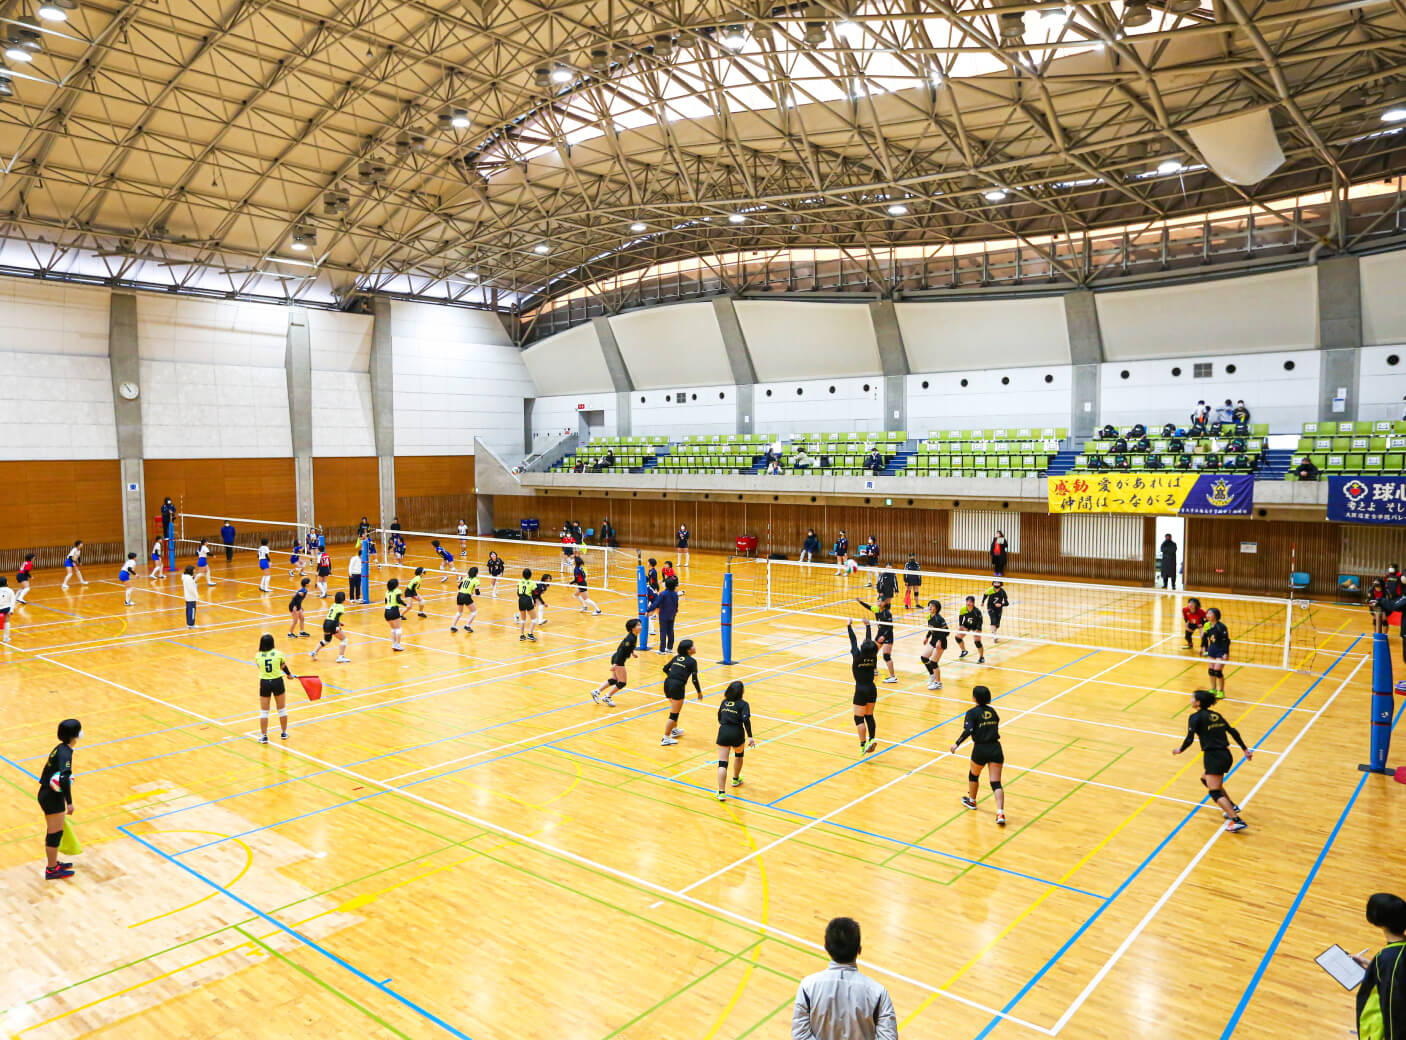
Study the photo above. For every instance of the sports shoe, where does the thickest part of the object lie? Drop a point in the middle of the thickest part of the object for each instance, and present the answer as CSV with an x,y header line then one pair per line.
x,y
302,635
736,781
720,796
64,866
532,637
263,738
422,614
661,650
343,660
678,732
313,655
595,696
585,610
667,741
933,684
968,802
468,628
1234,826
891,679
284,734
1000,819
598,612
521,638
962,654
56,873
872,743
453,629
398,649
981,659
609,699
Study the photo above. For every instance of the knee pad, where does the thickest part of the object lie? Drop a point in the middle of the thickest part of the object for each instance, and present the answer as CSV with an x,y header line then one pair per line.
x,y
972,778
263,714
995,785
673,716
859,720
1211,671
888,658
1218,793
53,838
722,763
619,685
737,755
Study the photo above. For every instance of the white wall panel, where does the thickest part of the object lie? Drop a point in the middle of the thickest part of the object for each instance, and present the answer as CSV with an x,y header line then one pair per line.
x,y
1282,397
1263,312
705,410
457,377
1101,537
569,362
1383,384
797,340
972,530
1383,302
856,405
340,342
945,337
341,414
553,417
1026,400
665,347
56,406
218,332
53,318
192,410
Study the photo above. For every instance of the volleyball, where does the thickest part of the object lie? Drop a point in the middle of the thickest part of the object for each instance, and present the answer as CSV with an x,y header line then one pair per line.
x,y
850,566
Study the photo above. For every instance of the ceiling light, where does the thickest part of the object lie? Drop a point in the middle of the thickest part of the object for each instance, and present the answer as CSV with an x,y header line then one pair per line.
x,y
663,46
562,74
7,86
848,30
815,34
1395,114
459,119
935,77
19,54
299,246
898,209
737,218
1012,25
52,12
734,38
995,195
541,248
1169,166
1182,6
1054,17
1136,13
639,226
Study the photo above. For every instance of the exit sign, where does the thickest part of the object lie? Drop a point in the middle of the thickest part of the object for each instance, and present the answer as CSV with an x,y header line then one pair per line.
x,y
580,407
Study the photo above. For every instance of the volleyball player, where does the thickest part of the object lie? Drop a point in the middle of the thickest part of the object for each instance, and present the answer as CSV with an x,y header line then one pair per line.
x,y
463,530
578,579
156,568
841,553
332,629
1213,730
524,607
681,543
202,562
496,566
1377,605
1194,617
265,577
568,546
934,644
190,592
124,576
734,721
397,547
883,637
667,571
680,669
969,620
56,797
539,596
324,571
7,606
295,558
272,668
446,562
22,577
982,724
605,692
1215,645
995,600
864,659
412,591
71,564
651,577
295,609
468,589
395,603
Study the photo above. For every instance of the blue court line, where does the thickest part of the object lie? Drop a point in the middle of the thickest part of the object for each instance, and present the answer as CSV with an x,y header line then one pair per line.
x,y
1245,997
22,769
56,610
921,733
398,997
1127,881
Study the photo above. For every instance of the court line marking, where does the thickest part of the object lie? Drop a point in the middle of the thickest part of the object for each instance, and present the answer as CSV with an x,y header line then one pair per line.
x,y
1279,934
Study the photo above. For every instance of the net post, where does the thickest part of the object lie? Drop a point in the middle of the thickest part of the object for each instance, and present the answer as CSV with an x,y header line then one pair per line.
x,y
1382,707
366,567
642,601
168,530
725,619
1288,630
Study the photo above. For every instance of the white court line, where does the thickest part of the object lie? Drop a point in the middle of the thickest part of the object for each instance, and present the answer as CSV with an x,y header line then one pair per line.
x,y
1162,900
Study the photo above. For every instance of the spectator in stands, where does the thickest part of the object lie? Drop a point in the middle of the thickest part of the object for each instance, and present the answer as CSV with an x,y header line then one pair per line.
x,y
1107,433
1240,415
801,460
1197,429
1143,446
1201,414
771,455
998,555
609,458
1169,430
1138,431
1226,412
1120,445
1306,470
580,466
875,462
839,1003
774,466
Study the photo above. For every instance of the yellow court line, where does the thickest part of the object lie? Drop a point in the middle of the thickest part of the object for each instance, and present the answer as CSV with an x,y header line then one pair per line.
x,y
1039,900
756,950
248,862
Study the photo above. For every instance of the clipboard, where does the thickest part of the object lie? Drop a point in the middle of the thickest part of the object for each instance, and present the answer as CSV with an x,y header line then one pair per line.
x,y
1344,970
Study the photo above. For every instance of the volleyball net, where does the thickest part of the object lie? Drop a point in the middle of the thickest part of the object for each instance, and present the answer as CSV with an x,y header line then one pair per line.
x,y
190,528
1265,632
603,564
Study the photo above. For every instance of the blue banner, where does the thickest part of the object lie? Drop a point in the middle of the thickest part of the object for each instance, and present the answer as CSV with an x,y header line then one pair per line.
x,y
1367,500
1220,495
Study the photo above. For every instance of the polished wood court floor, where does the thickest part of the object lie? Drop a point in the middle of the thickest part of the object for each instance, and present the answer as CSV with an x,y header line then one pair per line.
x,y
457,842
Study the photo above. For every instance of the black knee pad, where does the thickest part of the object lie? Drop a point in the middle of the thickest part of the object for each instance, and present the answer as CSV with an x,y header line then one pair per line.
x,y
859,720
737,755
972,778
1211,671
1218,793
722,763
53,838
887,658
673,716
995,785
619,685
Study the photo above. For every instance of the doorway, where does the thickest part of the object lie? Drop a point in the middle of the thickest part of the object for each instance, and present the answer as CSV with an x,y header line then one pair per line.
x,y
1176,527
589,424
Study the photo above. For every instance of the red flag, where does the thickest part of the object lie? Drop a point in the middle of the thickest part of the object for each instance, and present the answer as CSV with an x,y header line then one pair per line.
x,y
312,685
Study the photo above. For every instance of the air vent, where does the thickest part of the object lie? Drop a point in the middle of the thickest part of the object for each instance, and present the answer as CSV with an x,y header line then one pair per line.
x,y
1201,370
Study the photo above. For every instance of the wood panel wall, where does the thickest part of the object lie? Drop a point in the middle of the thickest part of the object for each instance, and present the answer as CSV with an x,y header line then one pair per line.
x,y
52,504
344,490
434,492
1214,560
262,489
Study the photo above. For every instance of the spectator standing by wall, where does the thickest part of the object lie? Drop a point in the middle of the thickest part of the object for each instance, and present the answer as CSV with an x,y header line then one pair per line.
x,y
839,1003
810,547
227,536
998,554
1169,563
1381,998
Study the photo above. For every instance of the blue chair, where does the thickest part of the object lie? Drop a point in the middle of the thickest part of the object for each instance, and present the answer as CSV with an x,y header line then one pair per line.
x,y
590,532
1298,581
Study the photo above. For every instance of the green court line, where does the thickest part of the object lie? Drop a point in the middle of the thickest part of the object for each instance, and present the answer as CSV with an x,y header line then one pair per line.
x,y
789,1003
686,987
1159,686
324,984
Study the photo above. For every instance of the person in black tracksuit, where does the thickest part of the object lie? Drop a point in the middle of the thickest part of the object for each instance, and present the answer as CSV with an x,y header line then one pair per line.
x,y
734,722
666,606
677,673
1213,730
810,548
983,726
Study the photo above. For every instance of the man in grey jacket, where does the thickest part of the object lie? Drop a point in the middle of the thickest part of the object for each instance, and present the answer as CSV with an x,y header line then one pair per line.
x,y
839,1003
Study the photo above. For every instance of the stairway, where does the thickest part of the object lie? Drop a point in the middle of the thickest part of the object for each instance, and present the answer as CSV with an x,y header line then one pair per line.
x,y
1277,462
1063,462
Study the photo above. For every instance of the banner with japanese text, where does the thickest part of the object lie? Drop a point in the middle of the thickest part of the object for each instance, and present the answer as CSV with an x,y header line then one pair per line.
x,y
1367,500
1189,494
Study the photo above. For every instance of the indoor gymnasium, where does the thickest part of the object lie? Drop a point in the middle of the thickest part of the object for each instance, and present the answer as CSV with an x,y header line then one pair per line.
x,y
703,521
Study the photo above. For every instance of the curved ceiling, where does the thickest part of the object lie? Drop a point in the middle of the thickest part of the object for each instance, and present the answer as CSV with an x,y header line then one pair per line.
x,y
501,152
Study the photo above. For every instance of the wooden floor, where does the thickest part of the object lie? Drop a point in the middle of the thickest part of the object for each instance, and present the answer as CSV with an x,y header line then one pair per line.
x,y
457,842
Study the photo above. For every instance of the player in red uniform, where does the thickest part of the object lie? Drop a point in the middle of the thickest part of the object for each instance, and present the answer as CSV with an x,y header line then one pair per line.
x,y
1194,617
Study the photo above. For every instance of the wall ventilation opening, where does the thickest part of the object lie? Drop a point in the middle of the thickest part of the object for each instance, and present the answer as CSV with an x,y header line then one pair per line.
x,y
1201,370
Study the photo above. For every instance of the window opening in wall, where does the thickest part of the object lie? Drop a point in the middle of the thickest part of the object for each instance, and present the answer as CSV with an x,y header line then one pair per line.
x,y
1201,370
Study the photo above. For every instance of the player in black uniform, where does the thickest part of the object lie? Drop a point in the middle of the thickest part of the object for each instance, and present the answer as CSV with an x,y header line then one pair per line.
x,y
539,596
1213,730
982,724
578,580
864,658
332,629
969,620
468,589
496,567
883,637
734,720
841,552
682,667
912,582
1215,645
651,576
395,603
623,653
934,644
887,588
56,797
524,607
295,611
995,600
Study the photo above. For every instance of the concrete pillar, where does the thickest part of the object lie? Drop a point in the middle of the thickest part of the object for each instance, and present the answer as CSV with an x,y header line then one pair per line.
x,y
484,504
894,360
1085,355
1339,338
125,362
739,359
383,404
619,375
746,401
622,414
297,369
